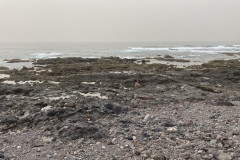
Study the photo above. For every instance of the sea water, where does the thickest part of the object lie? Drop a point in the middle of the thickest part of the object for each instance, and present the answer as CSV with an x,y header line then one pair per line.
x,y
193,51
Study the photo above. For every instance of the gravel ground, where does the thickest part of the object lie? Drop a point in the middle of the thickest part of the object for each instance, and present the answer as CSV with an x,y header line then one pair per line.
x,y
200,131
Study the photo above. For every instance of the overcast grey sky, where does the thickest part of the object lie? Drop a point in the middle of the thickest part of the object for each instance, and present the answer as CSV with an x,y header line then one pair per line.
x,y
119,20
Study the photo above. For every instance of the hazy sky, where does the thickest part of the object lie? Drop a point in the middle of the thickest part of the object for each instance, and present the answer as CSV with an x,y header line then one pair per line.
x,y
119,20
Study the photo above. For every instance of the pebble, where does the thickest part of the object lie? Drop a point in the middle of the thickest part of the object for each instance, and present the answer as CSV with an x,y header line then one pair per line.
x,y
2,156
158,156
218,137
70,157
224,156
148,117
220,145
213,142
172,129
210,156
47,139
98,143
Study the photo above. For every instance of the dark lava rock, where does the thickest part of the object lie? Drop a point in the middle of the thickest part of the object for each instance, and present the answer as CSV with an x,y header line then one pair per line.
x,y
236,73
105,107
130,138
143,135
169,123
222,101
7,122
76,131
15,89
2,156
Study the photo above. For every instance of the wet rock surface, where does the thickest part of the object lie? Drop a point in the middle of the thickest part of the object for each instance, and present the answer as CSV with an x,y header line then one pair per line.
x,y
75,108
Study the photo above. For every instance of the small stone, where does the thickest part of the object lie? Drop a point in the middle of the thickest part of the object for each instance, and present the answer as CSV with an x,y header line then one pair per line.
x,y
220,145
212,117
172,129
200,151
218,137
213,142
47,139
130,138
232,154
18,147
78,151
110,143
224,156
148,117
48,133
210,156
114,158
103,147
180,123
169,124
2,156
144,156
18,131
70,157
158,156
143,135
137,153
205,157
134,137
98,143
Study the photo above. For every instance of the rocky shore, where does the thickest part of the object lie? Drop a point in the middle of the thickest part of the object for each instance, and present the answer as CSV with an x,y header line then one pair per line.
x,y
78,109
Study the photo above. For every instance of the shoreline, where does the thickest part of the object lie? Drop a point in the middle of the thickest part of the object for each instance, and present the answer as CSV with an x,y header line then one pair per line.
x,y
179,62
77,108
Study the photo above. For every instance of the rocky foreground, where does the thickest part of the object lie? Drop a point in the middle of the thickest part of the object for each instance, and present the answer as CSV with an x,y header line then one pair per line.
x,y
75,108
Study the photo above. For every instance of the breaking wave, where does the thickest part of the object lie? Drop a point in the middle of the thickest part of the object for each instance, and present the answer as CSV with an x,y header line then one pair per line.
x,y
46,55
207,50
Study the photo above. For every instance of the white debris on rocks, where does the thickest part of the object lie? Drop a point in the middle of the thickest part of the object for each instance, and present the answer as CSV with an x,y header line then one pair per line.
x,y
47,108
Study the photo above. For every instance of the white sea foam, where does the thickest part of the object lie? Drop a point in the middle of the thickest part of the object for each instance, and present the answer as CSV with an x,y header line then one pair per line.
x,y
212,49
147,49
192,49
194,55
46,55
132,57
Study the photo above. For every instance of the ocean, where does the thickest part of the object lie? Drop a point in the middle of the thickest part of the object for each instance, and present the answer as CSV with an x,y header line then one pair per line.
x,y
193,51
